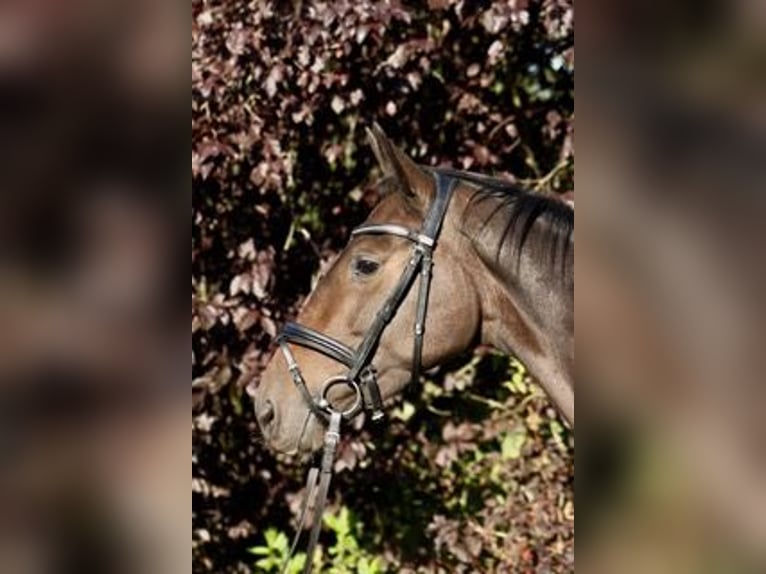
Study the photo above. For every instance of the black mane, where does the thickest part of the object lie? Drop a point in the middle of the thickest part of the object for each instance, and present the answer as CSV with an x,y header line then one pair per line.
x,y
521,209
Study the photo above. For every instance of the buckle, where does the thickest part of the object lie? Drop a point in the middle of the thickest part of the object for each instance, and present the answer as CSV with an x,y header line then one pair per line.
x,y
371,392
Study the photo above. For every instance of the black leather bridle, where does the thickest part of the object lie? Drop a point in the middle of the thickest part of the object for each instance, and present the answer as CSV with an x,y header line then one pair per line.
x,y
361,376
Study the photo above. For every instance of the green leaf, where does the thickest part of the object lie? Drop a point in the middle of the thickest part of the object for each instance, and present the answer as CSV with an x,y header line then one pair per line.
x,y
265,563
405,412
271,536
512,443
297,563
259,550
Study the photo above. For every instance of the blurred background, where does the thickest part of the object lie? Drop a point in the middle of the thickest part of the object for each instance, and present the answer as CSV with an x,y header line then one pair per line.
x,y
475,472
93,401
669,301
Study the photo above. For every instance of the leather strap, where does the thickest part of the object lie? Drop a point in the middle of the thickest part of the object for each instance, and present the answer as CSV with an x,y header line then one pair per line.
x,y
308,497
312,339
299,381
319,482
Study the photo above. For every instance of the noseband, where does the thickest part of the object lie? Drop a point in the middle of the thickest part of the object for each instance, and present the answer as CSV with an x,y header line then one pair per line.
x,y
361,376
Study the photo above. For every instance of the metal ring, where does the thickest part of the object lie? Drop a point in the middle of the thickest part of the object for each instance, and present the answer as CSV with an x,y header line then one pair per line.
x,y
324,403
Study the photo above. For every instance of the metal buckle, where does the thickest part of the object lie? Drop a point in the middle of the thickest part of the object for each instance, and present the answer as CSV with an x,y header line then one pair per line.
x,y
371,392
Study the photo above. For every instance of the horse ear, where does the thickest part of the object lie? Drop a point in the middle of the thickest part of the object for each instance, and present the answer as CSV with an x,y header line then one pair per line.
x,y
411,179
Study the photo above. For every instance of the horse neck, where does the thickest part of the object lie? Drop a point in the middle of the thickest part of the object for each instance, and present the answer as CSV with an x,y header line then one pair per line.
x,y
526,298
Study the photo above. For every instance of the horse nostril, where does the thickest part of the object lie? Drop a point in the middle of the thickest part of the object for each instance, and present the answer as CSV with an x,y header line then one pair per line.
x,y
266,414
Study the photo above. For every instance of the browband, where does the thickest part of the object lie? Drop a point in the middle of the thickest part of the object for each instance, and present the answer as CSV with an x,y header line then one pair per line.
x,y
393,229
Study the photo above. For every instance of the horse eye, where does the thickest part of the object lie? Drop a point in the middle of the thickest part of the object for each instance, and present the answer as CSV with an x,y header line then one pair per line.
x,y
365,266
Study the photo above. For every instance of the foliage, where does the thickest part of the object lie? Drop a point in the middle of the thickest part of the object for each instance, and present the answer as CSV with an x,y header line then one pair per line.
x,y
345,556
471,475
276,554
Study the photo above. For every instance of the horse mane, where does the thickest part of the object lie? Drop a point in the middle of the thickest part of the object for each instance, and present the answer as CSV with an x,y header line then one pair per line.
x,y
520,210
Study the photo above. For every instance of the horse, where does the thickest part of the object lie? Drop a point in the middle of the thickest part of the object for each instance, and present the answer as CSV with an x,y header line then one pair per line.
x,y
494,265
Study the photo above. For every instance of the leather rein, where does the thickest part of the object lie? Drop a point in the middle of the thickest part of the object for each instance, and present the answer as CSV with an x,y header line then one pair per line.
x,y
361,377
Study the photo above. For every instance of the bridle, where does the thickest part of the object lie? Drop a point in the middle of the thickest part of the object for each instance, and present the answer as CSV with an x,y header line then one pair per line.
x,y
361,376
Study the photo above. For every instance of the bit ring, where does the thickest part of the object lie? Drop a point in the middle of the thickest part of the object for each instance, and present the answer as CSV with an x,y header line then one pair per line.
x,y
325,404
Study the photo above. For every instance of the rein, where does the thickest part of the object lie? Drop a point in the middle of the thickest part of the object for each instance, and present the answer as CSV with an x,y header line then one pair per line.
x,y
361,377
